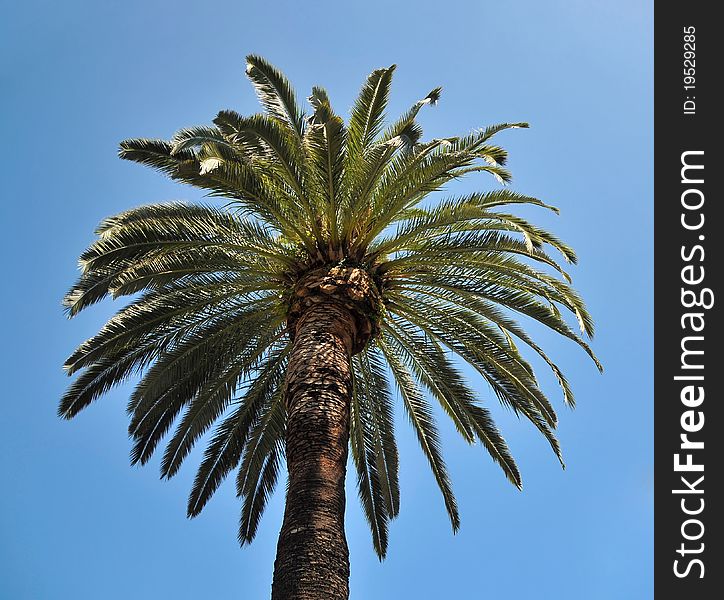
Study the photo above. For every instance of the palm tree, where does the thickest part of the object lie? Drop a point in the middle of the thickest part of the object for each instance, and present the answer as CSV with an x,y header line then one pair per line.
x,y
285,318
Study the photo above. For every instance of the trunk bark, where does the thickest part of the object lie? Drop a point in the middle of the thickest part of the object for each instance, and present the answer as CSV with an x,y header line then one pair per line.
x,y
312,560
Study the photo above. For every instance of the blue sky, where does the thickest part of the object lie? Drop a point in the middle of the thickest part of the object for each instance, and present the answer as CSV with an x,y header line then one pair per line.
x,y
77,77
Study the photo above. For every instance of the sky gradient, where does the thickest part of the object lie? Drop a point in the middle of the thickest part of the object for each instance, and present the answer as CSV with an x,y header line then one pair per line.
x,y
77,77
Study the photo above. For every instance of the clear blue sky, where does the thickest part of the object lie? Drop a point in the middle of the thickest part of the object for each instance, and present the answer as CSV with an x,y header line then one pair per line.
x,y
77,77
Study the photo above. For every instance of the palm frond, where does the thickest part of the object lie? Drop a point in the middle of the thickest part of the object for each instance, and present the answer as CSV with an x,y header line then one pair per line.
x,y
368,113
257,475
226,447
325,142
275,93
373,446
420,414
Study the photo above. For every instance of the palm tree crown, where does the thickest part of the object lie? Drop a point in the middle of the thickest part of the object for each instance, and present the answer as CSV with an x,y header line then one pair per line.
x,y
320,209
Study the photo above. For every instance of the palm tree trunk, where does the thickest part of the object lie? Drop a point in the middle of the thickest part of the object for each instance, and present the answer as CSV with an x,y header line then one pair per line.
x,y
312,556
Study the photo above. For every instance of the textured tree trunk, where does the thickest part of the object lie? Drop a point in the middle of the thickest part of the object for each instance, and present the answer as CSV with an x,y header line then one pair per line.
x,y
312,556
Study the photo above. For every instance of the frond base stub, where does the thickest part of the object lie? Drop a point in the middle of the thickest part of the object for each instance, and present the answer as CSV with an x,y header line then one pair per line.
x,y
351,287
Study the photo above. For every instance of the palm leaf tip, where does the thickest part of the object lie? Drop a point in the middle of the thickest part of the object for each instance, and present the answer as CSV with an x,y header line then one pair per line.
x,y
64,409
70,303
434,96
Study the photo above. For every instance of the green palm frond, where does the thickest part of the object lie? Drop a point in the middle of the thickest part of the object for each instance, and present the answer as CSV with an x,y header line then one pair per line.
x,y
368,113
257,475
420,414
184,372
510,377
212,400
226,447
210,289
275,93
196,137
373,446
324,142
